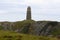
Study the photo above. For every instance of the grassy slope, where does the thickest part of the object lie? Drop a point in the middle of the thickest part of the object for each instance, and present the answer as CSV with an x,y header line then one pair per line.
x,y
15,36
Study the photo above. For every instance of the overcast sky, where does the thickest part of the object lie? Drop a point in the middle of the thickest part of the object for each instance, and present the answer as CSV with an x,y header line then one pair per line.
x,y
15,10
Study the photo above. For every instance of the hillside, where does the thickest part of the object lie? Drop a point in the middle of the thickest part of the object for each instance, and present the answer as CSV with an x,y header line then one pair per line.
x,y
9,35
32,27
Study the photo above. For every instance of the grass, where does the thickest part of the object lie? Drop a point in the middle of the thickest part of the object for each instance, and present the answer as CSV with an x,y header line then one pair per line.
x,y
9,35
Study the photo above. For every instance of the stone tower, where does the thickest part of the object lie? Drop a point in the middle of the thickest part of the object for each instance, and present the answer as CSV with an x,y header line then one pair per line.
x,y
28,17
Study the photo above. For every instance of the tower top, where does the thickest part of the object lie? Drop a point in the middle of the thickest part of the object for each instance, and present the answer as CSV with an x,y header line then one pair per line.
x,y
28,17
29,7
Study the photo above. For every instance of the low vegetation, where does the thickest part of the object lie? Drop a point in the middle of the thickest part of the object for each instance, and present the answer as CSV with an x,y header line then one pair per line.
x,y
7,35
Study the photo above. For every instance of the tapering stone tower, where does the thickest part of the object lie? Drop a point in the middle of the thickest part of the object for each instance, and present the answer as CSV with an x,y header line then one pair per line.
x,y
28,17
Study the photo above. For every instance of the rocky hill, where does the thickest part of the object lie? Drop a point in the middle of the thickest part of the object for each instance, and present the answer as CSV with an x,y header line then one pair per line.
x,y
32,27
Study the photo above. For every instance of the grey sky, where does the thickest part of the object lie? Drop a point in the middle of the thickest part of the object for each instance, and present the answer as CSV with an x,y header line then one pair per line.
x,y
15,10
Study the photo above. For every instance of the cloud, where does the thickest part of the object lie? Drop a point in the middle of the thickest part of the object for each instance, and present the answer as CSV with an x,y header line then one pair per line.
x,y
41,9
3,12
12,2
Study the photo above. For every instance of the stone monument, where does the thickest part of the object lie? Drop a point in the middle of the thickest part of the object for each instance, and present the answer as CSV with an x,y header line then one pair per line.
x,y
28,17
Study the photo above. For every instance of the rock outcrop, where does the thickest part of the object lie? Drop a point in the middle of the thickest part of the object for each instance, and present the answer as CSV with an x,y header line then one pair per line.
x,y
31,27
